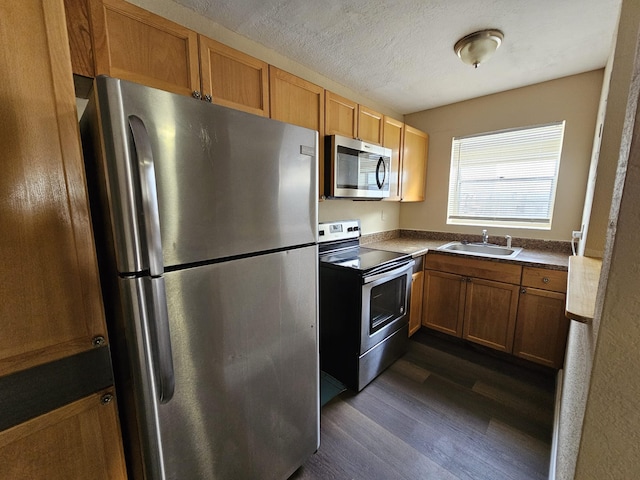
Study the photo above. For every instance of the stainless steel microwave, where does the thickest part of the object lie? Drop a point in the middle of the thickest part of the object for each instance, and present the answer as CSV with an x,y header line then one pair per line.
x,y
356,169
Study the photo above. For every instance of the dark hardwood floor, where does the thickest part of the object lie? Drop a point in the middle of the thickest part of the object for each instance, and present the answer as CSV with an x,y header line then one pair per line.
x,y
443,411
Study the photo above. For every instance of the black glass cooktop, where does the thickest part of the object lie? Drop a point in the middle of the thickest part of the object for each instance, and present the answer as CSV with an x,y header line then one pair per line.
x,y
363,259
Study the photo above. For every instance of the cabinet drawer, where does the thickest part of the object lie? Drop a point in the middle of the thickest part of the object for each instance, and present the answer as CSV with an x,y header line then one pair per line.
x,y
472,267
554,280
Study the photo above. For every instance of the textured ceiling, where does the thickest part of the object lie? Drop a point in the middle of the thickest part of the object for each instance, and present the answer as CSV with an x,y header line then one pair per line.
x,y
400,53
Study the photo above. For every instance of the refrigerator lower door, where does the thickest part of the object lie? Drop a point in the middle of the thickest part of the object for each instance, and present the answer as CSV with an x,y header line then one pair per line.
x,y
244,338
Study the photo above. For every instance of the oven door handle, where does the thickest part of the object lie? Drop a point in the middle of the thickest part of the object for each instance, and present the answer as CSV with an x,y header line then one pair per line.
x,y
390,274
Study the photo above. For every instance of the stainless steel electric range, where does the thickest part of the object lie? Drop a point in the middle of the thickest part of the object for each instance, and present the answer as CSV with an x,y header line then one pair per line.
x,y
364,305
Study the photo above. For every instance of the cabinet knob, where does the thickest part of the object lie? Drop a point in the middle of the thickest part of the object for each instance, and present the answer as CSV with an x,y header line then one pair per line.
x,y
196,94
208,98
523,290
545,279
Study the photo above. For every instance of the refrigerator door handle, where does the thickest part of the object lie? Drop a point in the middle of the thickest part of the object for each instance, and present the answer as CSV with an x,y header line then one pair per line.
x,y
158,326
151,215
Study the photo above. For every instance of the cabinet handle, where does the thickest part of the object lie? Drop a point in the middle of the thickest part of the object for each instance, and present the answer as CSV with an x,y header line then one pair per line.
x,y
196,94
469,279
545,279
208,98
524,290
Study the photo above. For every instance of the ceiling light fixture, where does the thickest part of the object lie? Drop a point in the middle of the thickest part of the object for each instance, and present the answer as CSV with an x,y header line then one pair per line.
x,y
478,47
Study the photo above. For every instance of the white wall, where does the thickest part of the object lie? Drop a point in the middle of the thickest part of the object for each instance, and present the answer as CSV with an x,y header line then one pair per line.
x,y
622,65
574,99
375,216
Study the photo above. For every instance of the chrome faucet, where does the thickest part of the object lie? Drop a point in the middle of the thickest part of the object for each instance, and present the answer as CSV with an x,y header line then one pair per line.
x,y
508,237
485,236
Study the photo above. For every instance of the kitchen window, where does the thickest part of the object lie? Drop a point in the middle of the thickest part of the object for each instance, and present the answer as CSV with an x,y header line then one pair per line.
x,y
506,178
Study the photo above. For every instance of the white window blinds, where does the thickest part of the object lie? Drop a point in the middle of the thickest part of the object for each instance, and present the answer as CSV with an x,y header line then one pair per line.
x,y
505,178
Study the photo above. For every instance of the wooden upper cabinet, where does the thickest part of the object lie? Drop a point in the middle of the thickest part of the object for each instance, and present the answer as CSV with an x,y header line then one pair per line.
x,y
79,30
414,165
369,125
341,115
392,137
234,79
137,45
297,101
51,299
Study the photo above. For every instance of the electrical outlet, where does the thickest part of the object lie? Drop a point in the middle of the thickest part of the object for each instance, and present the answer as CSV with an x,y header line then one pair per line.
x,y
576,234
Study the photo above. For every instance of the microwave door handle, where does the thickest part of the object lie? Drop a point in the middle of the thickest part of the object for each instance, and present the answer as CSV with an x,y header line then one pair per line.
x,y
146,168
384,172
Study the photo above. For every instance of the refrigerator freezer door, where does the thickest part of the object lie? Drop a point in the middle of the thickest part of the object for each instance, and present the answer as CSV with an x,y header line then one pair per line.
x,y
228,182
244,340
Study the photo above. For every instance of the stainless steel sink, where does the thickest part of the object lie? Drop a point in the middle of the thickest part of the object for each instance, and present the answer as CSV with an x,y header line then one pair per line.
x,y
481,249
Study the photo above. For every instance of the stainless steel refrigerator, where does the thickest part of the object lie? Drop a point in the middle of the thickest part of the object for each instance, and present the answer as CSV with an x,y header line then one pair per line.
x,y
206,226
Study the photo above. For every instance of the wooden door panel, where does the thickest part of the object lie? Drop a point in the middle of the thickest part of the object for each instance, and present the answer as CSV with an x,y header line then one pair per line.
x,y
78,440
369,125
392,137
136,45
341,115
490,313
443,303
415,313
541,328
414,164
234,79
51,302
294,100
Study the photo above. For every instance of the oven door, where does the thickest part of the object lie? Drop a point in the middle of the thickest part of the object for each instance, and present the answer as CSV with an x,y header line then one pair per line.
x,y
385,304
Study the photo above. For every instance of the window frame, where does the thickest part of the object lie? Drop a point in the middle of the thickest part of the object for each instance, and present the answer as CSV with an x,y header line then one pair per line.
x,y
458,209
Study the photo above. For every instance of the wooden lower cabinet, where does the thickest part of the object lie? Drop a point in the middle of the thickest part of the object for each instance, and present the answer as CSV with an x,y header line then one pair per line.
x,y
443,301
506,307
541,327
415,309
490,313
80,440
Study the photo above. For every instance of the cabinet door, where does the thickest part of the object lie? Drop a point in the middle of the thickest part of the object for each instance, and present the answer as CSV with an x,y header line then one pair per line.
x,y
294,100
77,13
341,116
369,125
443,302
415,312
78,440
51,302
134,44
490,313
542,328
392,136
234,79
414,164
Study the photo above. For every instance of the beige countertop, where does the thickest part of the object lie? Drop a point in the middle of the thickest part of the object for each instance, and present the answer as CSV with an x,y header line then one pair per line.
x,y
528,257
